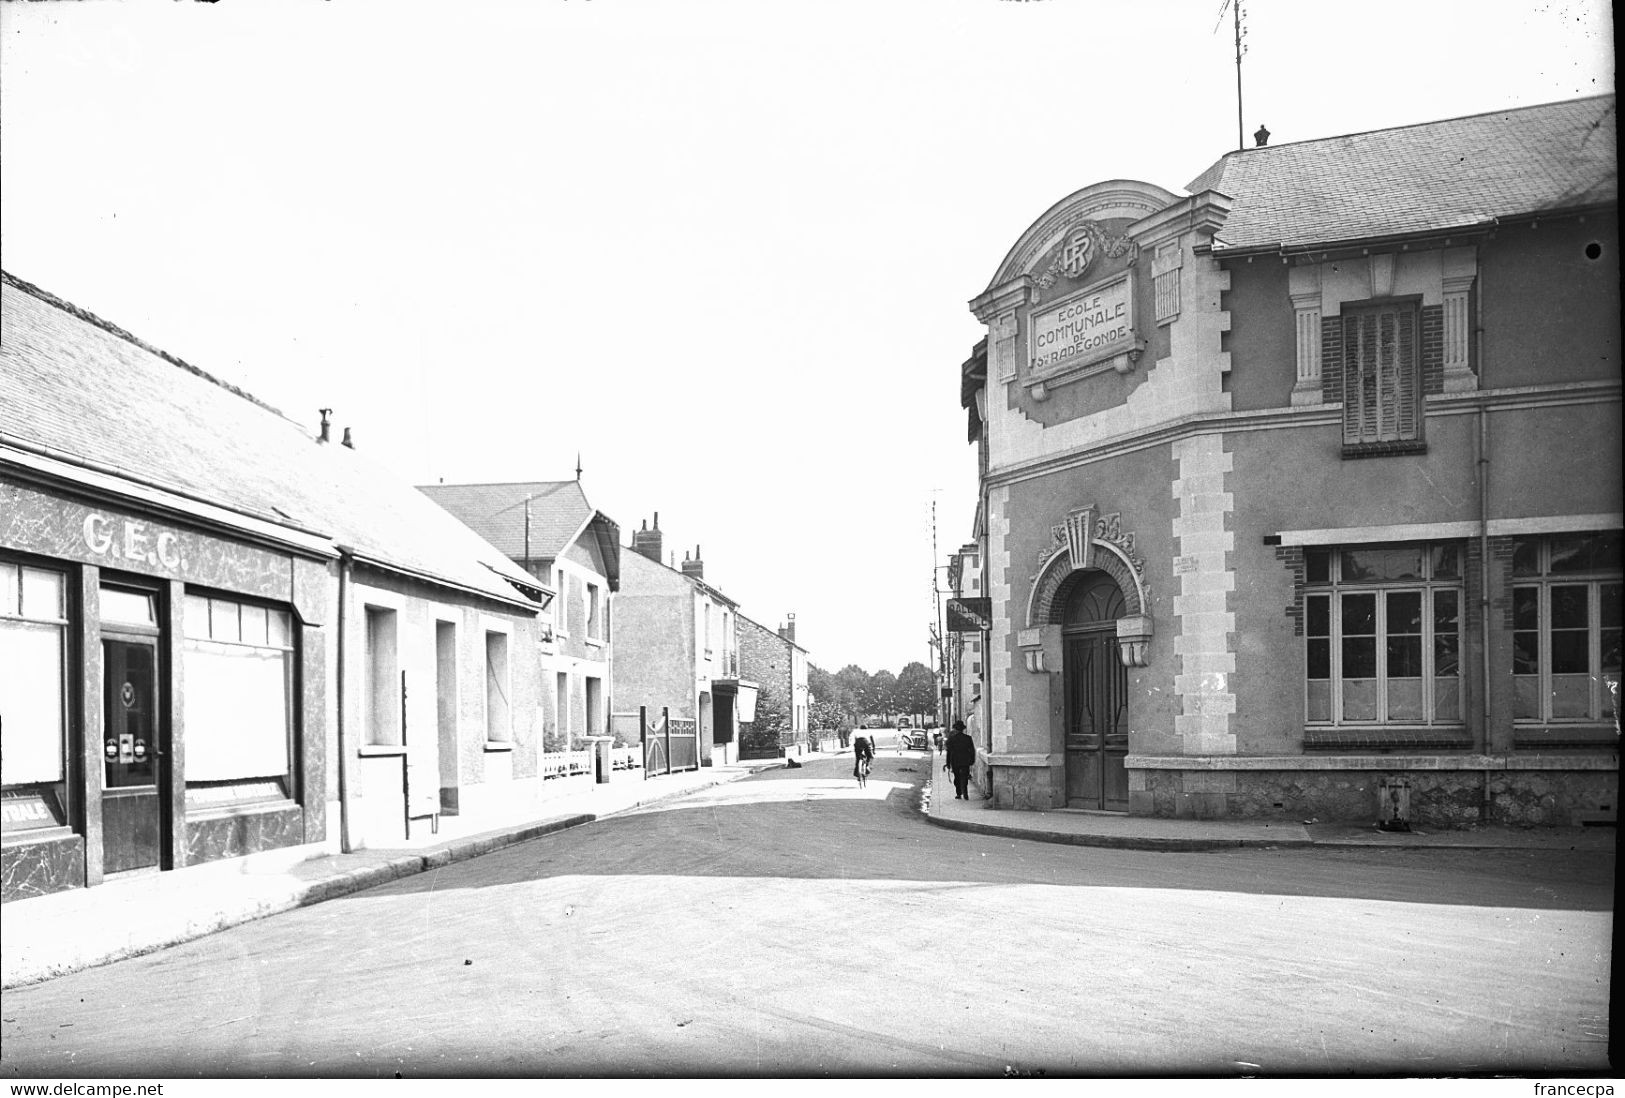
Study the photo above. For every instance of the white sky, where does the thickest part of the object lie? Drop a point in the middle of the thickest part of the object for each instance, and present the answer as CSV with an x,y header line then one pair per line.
x,y
722,249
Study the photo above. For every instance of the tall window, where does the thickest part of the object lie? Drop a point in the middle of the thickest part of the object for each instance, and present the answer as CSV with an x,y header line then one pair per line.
x,y
381,694
1383,634
561,706
595,623
498,722
1566,627
33,628
238,670
561,602
1382,383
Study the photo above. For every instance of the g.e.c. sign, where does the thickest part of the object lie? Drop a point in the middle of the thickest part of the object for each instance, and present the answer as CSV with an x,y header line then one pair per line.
x,y
136,542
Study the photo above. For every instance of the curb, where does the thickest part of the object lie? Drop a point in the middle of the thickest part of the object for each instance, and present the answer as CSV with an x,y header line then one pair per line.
x,y
331,883
1122,842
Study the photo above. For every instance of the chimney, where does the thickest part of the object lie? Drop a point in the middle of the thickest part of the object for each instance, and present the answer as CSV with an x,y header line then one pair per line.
x,y
788,632
347,441
694,567
323,437
647,541
1262,136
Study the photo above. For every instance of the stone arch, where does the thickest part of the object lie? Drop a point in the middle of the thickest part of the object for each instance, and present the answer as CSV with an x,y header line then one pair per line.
x,y
1057,577
1112,198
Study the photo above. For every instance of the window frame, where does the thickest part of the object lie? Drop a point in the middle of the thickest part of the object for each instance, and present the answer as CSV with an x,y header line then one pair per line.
x,y
497,659
594,609
561,602
60,788
1358,441
203,640
1595,581
1335,590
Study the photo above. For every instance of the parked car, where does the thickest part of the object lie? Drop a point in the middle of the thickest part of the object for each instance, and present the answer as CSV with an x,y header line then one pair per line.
x,y
914,739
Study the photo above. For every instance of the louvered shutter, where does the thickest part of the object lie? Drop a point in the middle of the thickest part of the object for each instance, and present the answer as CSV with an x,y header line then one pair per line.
x,y
1387,352
1380,376
1359,378
1409,377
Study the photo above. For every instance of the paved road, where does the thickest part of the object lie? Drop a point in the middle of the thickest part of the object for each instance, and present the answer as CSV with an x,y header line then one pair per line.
x,y
791,924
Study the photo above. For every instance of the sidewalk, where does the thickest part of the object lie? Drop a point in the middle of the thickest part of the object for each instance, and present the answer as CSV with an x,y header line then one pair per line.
x,y
1110,829
66,931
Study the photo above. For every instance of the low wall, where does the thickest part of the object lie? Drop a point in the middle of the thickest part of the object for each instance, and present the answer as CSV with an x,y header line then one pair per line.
x,y
1437,797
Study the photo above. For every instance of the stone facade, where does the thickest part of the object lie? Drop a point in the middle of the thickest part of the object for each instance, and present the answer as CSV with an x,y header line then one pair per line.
x,y
1164,361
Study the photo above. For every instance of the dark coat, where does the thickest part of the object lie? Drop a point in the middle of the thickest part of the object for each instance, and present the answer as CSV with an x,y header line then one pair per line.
x,y
961,750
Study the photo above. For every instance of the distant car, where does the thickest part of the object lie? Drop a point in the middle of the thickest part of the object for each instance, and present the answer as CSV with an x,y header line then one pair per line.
x,y
913,739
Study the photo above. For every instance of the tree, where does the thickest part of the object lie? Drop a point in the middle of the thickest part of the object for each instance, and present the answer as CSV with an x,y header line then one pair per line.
x,y
762,734
854,682
833,704
916,689
882,696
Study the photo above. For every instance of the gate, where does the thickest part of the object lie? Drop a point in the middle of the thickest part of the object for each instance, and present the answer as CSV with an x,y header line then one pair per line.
x,y
669,743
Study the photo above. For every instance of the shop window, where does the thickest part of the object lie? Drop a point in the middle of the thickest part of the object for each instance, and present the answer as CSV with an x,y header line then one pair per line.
x,y
1382,385
1566,594
381,689
498,723
237,705
33,724
1383,635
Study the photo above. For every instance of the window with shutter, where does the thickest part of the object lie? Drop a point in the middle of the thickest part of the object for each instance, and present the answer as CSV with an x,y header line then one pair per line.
x,y
1381,381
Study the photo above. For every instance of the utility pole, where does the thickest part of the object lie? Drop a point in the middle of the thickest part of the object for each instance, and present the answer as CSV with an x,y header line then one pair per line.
x,y
936,614
1241,141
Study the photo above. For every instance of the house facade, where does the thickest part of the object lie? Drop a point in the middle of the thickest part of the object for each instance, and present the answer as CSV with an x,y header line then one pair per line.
x,y
678,647
1270,526
550,530
219,636
778,665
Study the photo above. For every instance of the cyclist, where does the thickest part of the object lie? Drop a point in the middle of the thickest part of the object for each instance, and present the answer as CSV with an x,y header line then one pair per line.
x,y
863,752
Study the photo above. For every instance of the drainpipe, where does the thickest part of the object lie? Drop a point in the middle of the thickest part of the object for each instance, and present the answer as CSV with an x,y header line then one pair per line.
x,y
346,561
1483,540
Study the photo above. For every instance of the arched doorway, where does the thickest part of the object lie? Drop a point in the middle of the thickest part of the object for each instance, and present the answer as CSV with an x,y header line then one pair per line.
x,y
1096,687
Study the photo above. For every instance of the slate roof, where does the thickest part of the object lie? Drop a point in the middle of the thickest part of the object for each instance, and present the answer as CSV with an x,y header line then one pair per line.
x,y
558,514
79,389
558,510
1420,179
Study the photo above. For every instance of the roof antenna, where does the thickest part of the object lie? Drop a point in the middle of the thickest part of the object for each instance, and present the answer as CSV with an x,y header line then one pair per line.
x,y
1241,142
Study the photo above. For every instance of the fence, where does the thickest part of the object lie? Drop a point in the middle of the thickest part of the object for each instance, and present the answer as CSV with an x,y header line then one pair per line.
x,y
564,764
669,743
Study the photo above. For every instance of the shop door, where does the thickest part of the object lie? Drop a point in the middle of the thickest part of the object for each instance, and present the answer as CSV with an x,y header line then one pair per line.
x,y
132,810
1096,739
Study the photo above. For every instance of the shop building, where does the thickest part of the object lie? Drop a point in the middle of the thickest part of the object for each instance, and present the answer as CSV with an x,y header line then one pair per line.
x,y
1275,518
199,604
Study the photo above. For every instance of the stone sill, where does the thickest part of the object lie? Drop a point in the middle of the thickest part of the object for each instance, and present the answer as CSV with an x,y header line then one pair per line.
x,y
1024,760
54,833
1373,762
497,745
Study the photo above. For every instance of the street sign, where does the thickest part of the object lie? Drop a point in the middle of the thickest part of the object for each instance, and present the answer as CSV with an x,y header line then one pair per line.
x,y
970,615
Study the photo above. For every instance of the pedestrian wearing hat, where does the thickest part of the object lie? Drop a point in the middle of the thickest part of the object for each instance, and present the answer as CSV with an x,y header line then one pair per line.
x,y
961,754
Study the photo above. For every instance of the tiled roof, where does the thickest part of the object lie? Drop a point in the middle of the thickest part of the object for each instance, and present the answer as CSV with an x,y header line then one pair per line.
x,y
557,511
1426,178
78,388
